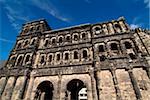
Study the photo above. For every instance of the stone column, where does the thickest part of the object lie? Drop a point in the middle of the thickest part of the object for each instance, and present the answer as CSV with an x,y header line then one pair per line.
x,y
135,85
148,66
23,88
98,83
63,94
42,96
116,84
3,86
93,83
111,29
29,89
12,88
21,93
59,87
148,72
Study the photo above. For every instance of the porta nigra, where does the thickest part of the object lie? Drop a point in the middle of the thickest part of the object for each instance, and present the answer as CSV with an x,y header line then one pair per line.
x,y
102,61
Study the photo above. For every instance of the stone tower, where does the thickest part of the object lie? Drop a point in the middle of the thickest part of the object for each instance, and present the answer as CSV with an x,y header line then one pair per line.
x,y
102,61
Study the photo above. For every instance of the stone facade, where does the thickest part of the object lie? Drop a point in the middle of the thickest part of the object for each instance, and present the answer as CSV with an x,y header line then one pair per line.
x,y
103,61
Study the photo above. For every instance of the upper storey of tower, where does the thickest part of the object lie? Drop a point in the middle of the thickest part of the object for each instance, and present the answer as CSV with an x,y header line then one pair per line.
x,y
34,26
71,45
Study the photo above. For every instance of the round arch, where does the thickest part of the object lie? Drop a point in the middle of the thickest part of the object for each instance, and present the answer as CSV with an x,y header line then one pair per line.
x,y
74,89
44,91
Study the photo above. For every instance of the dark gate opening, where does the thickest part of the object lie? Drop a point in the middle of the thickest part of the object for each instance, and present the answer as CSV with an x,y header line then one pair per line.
x,y
44,91
74,87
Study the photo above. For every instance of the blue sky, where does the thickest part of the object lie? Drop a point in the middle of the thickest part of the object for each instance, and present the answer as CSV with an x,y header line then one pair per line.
x,y
64,13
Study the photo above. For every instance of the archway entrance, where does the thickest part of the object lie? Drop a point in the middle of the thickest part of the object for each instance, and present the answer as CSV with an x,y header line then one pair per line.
x,y
44,91
74,88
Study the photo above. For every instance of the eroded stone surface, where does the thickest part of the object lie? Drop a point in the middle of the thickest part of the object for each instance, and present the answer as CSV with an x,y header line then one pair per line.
x,y
143,82
125,85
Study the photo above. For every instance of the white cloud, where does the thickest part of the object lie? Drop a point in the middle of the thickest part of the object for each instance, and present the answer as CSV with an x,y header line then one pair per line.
x,y
5,40
133,26
147,2
48,7
19,12
137,22
14,14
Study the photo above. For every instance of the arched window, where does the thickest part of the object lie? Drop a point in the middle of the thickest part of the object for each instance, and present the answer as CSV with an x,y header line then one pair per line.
x,y
60,40
26,43
75,55
128,45
33,42
83,36
101,48
68,38
27,59
97,30
31,29
118,27
132,56
25,31
12,60
58,57
66,56
75,37
42,60
84,54
114,46
46,43
102,58
19,60
19,46
53,41
38,28
50,58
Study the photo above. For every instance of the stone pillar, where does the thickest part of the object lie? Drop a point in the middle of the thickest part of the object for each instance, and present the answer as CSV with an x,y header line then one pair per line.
x,y
148,72
21,94
93,83
12,88
29,89
135,85
59,87
3,86
63,94
42,96
116,84
98,83
148,66
111,29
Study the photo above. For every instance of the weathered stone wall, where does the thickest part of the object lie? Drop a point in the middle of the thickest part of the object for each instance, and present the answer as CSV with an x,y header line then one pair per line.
x,y
18,88
8,89
107,90
125,85
143,82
